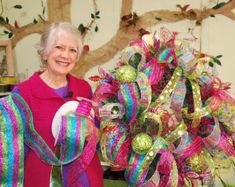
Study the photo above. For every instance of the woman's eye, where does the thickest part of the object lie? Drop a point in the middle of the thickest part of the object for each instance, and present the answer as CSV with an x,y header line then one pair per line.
x,y
74,50
58,47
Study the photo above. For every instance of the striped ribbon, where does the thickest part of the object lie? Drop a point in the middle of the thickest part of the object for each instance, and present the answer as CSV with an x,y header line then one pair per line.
x,y
115,145
145,91
178,95
11,146
139,165
130,51
167,55
17,128
218,140
153,70
128,95
165,94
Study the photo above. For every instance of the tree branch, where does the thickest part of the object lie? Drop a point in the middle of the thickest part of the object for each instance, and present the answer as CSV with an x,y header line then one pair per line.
x,y
127,33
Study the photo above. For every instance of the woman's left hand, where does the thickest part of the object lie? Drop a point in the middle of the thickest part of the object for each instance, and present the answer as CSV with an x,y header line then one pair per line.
x,y
90,129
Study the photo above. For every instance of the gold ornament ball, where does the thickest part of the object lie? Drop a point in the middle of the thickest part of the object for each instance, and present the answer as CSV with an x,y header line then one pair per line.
x,y
141,143
201,162
126,73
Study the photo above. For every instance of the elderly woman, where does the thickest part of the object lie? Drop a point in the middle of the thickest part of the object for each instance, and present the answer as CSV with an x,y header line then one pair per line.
x,y
45,92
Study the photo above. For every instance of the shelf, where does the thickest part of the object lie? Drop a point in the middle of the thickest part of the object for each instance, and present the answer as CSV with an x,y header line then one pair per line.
x,y
4,93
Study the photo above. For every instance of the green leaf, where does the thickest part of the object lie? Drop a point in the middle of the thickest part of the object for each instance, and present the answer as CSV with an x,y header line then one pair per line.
x,y
81,28
198,23
96,28
10,34
92,16
159,19
217,61
219,5
35,21
43,10
2,20
97,17
18,6
218,56
97,13
6,32
211,64
7,20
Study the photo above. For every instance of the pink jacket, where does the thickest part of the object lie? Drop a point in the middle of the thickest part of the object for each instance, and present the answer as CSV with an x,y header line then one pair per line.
x,y
44,103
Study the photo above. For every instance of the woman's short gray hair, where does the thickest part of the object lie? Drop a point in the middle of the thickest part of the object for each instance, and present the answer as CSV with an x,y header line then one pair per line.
x,y
49,37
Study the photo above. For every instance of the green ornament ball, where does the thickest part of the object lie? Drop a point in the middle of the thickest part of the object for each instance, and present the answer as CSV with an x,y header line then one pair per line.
x,y
141,143
126,73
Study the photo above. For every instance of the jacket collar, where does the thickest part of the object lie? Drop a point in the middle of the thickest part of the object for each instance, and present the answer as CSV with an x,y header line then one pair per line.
x,y
40,89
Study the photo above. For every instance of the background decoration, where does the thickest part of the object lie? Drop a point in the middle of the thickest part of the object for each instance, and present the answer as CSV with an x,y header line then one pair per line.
x,y
132,24
166,117
6,59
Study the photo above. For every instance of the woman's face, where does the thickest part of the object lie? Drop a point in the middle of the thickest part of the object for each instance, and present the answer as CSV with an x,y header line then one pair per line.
x,y
63,55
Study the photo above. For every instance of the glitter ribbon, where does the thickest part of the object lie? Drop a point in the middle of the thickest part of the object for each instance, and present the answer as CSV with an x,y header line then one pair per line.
x,y
153,70
104,91
218,140
167,55
145,91
143,46
157,119
137,172
69,134
81,163
115,145
198,109
178,95
188,133
19,130
12,146
163,97
130,51
128,96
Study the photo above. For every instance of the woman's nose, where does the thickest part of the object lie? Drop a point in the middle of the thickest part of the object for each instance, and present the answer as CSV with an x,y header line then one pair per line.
x,y
65,53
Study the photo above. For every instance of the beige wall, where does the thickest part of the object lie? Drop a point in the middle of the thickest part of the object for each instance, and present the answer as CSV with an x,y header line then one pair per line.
x,y
216,36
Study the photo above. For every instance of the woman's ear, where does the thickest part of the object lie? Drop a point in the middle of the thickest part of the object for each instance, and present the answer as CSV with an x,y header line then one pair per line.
x,y
44,57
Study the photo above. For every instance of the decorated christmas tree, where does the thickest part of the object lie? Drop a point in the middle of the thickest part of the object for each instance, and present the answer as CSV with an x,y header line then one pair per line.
x,y
167,119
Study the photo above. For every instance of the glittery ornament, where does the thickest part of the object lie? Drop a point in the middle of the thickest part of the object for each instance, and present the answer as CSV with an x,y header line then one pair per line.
x,y
141,143
126,73
202,162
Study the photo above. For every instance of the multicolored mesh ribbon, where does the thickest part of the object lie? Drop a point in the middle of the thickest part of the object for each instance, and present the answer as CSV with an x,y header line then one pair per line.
x,y
173,124
17,129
